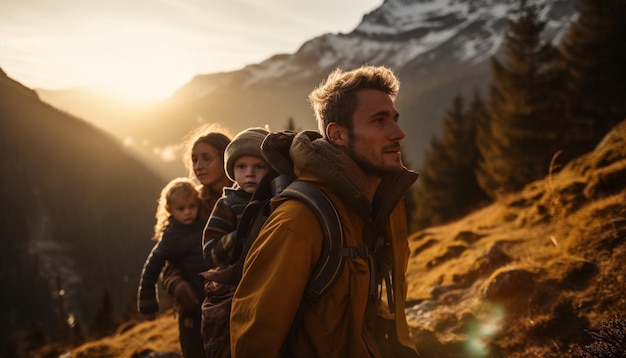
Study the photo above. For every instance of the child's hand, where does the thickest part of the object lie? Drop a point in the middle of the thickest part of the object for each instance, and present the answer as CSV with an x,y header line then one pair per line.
x,y
150,316
185,296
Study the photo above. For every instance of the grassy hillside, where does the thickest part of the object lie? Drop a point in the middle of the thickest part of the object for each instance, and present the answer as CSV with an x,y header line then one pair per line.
x,y
528,275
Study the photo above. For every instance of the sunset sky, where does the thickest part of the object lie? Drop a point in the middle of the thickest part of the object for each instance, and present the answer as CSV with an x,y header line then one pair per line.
x,y
149,48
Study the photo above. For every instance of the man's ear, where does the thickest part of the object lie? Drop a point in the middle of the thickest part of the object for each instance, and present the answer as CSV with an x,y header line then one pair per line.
x,y
337,134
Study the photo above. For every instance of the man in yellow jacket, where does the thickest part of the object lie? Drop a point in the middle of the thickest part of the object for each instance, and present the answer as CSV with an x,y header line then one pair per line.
x,y
357,165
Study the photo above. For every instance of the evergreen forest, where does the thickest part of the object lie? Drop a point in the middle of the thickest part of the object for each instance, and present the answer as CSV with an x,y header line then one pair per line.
x,y
549,101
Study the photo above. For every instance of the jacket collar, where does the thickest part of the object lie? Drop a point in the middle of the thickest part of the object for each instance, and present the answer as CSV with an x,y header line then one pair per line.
x,y
315,159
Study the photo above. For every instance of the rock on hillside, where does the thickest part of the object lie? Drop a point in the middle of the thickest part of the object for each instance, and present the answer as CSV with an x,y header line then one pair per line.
x,y
529,275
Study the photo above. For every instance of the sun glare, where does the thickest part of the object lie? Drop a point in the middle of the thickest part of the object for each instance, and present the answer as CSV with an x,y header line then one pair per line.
x,y
137,63
132,85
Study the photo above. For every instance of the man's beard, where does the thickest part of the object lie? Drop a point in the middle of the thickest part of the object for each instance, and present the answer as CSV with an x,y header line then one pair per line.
x,y
367,166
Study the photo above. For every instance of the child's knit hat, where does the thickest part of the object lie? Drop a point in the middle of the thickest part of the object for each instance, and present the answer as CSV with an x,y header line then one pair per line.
x,y
247,142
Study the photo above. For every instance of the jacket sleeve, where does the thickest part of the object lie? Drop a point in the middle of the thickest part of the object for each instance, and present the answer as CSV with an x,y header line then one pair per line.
x,y
168,249
217,243
171,277
147,300
275,275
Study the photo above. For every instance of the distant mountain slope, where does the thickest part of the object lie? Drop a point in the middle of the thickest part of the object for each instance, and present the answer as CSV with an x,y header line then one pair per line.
x,y
439,48
77,213
527,276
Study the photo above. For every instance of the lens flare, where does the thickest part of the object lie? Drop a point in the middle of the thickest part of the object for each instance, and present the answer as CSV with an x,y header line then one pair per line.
x,y
480,332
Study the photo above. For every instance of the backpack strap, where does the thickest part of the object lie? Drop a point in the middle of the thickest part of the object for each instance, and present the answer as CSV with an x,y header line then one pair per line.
x,y
334,250
334,253
332,258
252,220
254,216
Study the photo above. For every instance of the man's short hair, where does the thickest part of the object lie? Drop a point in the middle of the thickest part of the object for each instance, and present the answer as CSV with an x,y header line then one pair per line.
x,y
335,100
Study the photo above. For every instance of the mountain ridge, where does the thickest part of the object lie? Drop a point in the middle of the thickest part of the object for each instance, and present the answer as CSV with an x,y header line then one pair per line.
x,y
78,213
438,48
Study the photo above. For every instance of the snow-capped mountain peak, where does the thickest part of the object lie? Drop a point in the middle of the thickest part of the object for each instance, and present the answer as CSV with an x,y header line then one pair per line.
x,y
403,32
439,48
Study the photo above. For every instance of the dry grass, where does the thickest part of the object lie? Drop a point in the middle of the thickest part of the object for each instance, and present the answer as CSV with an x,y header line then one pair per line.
x,y
160,335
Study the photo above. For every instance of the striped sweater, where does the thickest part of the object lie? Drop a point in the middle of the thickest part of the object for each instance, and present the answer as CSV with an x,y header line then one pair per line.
x,y
219,238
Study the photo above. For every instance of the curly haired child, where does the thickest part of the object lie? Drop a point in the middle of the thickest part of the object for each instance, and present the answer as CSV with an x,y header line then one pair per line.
x,y
178,236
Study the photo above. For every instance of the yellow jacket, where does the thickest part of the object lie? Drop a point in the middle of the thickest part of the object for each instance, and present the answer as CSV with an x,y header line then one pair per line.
x,y
346,321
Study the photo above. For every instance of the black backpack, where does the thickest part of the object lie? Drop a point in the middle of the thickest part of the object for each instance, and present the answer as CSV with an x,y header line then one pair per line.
x,y
281,183
333,255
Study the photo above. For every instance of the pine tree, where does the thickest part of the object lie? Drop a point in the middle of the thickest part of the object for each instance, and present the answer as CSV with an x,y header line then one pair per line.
x,y
525,109
484,146
478,117
427,193
129,312
448,189
105,321
35,335
594,52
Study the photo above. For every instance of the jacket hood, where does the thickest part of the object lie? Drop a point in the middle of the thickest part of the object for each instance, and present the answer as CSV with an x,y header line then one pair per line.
x,y
315,159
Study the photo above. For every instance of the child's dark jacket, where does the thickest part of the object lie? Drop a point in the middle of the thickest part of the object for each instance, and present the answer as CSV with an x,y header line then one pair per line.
x,y
181,245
